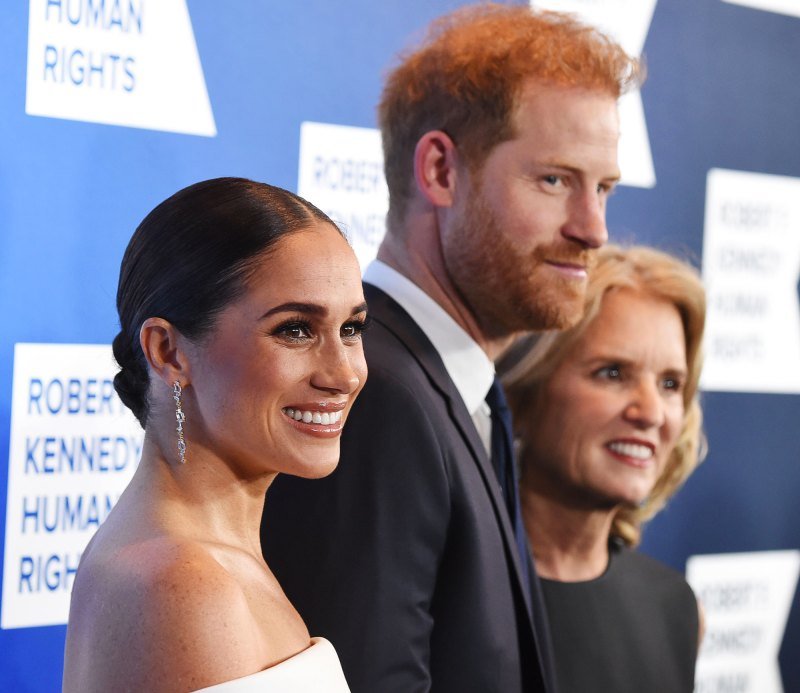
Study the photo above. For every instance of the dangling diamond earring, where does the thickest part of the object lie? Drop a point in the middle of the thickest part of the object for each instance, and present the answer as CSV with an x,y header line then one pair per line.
x,y
181,418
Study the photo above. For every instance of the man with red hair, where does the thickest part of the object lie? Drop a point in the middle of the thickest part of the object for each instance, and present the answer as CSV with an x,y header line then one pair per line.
x,y
500,143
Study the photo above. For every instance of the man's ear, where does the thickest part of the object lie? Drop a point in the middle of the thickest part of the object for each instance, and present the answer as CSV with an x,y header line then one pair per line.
x,y
435,166
163,347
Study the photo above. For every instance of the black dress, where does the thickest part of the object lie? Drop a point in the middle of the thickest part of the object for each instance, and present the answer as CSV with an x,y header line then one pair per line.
x,y
634,628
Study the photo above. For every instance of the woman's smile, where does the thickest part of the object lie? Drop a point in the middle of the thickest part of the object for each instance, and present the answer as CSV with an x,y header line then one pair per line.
x,y
323,419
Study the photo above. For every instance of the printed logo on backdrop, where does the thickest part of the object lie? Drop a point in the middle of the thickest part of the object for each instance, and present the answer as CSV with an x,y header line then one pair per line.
x,y
746,599
74,447
341,172
751,267
627,22
117,62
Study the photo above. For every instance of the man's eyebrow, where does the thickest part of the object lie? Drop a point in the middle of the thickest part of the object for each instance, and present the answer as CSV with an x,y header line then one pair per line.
x,y
554,163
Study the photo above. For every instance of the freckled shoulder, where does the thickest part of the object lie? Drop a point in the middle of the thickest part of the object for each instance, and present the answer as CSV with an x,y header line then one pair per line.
x,y
165,616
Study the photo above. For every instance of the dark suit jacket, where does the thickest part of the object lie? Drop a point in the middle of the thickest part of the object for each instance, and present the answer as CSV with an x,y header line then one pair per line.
x,y
404,557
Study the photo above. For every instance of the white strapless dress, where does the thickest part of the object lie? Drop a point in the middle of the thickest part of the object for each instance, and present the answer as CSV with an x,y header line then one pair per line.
x,y
314,670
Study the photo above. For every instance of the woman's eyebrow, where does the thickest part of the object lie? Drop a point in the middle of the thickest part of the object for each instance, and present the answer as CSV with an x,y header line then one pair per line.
x,y
308,309
297,307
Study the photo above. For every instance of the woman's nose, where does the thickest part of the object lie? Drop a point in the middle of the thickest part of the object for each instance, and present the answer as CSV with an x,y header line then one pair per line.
x,y
339,369
646,406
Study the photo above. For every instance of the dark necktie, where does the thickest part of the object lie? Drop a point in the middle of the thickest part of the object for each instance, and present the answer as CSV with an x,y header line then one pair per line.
x,y
505,468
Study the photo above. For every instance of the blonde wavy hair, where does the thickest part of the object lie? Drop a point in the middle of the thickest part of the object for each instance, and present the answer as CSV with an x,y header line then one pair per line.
x,y
528,364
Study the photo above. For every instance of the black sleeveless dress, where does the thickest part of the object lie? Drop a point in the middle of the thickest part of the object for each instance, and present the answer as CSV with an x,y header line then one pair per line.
x,y
633,629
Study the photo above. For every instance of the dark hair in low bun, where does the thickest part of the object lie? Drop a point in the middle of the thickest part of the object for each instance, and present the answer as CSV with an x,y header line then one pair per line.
x,y
189,258
132,380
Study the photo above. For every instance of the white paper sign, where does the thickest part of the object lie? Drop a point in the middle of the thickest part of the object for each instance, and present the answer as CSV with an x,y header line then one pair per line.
x,y
751,266
341,172
746,599
627,22
74,447
131,62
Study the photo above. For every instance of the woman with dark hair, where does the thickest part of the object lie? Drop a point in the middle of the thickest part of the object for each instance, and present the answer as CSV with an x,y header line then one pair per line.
x,y
240,353
609,423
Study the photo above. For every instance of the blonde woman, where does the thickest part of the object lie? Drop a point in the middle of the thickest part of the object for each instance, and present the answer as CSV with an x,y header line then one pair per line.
x,y
610,427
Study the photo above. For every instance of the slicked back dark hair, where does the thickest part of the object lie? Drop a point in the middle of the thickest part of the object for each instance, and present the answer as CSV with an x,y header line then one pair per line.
x,y
190,257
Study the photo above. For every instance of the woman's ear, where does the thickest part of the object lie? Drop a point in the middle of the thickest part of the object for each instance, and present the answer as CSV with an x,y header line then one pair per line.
x,y
164,349
435,166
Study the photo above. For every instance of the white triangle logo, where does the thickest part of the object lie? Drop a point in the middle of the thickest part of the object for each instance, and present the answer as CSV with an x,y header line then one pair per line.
x,y
117,62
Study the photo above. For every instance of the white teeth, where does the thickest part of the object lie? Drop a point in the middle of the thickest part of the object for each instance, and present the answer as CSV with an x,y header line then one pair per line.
x,y
324,418
639,452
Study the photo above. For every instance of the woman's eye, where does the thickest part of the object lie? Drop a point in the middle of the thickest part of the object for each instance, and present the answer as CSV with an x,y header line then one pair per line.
x,y
294,331
672,383
354,329
553,180
612,372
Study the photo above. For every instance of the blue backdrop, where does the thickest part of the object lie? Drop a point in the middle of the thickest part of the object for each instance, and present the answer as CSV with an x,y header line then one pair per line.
x,y
722,92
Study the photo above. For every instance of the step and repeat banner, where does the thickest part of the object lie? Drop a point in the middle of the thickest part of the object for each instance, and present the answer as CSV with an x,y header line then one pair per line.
x,y
109,106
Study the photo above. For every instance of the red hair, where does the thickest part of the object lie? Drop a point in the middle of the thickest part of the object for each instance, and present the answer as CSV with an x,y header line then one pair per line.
x,y
469,71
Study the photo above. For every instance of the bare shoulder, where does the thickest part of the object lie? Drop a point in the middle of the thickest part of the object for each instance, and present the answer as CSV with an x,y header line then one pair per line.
x,y
161,614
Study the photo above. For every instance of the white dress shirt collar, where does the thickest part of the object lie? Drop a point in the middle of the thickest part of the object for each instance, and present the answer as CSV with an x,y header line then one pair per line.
x,y
467,364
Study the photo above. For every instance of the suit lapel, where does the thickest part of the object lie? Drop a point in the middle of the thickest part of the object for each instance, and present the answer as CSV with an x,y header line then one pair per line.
x,y
386,311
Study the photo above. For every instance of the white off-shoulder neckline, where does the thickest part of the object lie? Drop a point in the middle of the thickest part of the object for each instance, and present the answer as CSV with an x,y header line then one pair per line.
x,y
314,670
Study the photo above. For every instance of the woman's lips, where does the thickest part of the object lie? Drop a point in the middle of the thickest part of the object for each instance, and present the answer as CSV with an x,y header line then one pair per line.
x,y
315,415
322,420
636,453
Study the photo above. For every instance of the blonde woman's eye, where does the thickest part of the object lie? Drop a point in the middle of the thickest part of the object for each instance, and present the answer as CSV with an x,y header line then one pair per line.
x,y
611,372
674,384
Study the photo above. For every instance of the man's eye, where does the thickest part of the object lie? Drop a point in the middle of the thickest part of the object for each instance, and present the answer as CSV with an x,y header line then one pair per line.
x,y
605,189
